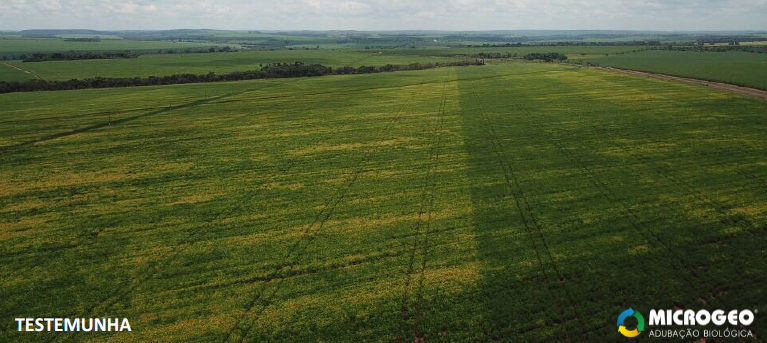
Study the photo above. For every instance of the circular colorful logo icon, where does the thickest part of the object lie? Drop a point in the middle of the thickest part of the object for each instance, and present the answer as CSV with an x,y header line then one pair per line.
x,y
640,323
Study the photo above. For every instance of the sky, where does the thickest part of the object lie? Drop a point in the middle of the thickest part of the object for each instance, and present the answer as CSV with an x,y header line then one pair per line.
x,y
665,15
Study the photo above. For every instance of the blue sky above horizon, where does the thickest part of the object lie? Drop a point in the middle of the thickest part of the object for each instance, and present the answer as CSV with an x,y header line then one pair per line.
x,y
663,15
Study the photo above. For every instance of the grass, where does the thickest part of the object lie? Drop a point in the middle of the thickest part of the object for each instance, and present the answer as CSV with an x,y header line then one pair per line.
x,y
741,68
157,65
463,204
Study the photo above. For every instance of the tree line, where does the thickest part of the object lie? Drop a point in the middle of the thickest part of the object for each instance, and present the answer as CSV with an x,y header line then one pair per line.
x,y
536,56
565,43
86,40
75,55
82,55
548,56
269,71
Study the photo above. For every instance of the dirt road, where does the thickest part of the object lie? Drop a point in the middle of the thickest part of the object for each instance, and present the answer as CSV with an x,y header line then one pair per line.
x,y
22,70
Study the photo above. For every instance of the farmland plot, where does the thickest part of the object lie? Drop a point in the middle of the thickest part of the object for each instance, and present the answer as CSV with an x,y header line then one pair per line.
x,y
736,67
454,204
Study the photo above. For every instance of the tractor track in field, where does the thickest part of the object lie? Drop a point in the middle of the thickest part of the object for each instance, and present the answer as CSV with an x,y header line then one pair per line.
x,y
742,222
195,103
429,231
724,218
675,262
213,100
636,222
423,229
540,126
667,172
296,249
153,269
634,219
529,220
308,236
380,255
690,270
728,87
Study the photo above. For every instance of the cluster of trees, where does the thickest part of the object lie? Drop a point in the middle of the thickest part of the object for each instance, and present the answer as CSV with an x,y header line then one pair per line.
x,y
274,70
548,56
81,55
486,45
74,55
495,55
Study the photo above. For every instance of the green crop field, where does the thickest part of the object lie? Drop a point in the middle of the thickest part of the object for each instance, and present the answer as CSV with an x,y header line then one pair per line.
x,y
156,65
742,68
10,45
515,201
571,51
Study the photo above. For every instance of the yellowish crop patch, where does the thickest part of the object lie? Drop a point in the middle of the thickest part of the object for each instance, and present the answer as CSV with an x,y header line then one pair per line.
x,y
352,146
194,199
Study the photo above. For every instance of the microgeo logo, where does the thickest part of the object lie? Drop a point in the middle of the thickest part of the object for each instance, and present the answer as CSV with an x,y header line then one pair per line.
x,y
640,325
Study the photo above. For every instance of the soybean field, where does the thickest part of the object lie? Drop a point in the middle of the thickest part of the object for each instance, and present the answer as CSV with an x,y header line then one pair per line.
x,y
513,201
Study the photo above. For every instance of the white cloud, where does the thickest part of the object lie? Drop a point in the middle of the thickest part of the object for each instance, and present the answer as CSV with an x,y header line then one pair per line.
x,y
385,14
49,5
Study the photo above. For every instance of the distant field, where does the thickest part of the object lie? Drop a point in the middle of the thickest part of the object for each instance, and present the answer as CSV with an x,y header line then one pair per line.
x,y
508,202
17,45
89,36
571,51
149,65
742,68
764,42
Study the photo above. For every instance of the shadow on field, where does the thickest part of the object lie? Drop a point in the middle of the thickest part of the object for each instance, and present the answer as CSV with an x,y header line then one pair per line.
x,y
517,303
